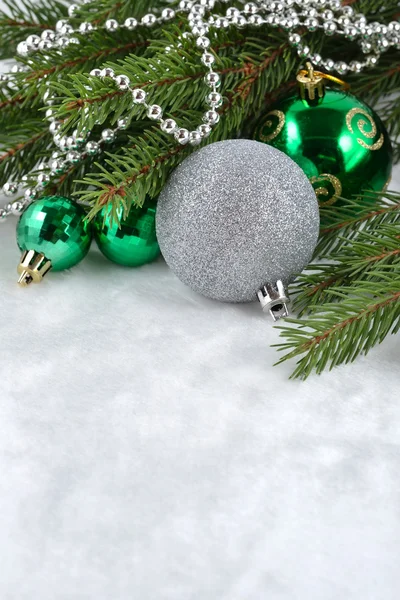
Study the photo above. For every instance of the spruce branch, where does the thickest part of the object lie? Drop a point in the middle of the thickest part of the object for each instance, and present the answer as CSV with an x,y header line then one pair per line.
x,y
353,301
134,176
380,81
21,150
345,222
345,330
21,19
28,88
349,300
88,101
375,9
370,258
49,66
10,103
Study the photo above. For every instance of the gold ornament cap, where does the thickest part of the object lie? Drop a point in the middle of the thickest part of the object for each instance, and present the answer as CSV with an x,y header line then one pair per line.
x,y
311,83
32,267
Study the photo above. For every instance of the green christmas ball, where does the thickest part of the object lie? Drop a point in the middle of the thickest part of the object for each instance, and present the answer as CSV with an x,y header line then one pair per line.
x,y
56,227
339,142
133,241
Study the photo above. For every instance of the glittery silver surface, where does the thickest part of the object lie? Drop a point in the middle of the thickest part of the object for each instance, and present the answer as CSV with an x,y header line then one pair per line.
x,y
236,215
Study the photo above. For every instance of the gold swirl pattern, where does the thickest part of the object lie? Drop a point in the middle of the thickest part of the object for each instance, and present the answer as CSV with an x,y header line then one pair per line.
x,y
361,123
270,123
323,191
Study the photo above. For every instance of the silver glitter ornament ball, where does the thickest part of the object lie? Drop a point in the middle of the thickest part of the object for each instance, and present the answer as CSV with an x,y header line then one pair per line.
x,y
235,216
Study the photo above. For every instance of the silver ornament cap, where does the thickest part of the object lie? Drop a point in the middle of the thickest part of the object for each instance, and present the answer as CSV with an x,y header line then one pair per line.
x,y
238,220
274,299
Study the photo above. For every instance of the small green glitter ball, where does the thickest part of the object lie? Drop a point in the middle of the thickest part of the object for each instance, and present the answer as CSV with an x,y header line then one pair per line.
x,y
133,242
56,227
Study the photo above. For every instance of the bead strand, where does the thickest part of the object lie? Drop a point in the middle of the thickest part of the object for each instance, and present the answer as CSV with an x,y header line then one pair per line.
x,y
72,150
328,15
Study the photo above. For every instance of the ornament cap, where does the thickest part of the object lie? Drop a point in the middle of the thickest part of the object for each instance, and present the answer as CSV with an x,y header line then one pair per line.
x,y
311,84
32,267
274,299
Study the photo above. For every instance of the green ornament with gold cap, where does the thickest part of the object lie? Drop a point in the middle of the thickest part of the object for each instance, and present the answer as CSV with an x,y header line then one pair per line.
x,y
53,234
338,140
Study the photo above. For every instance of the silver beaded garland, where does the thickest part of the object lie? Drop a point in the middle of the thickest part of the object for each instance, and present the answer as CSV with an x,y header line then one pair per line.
x,y
182,135
139,96
130,24
291,15
154,112
57,166
108,136
168,126
17,207
107,72
92,148
122,82
10,189
111,25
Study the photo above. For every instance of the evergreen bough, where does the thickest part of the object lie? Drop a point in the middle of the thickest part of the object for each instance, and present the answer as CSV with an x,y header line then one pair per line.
x,y
349,300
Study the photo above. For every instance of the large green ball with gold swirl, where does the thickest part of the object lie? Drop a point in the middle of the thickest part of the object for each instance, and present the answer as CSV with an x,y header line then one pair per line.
x,y
130,242
340,143
56,227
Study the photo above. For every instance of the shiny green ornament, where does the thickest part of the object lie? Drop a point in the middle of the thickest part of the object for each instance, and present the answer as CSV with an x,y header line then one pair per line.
x,y
339,142
132,242
52,234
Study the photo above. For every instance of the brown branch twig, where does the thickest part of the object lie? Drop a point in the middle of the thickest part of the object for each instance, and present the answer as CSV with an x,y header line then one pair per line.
x,y
12,101
382,256
346,322
12,151
12,23
387,75
323,285
271,97
366,217
113,191
253,72
329,282
107,13
83,59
